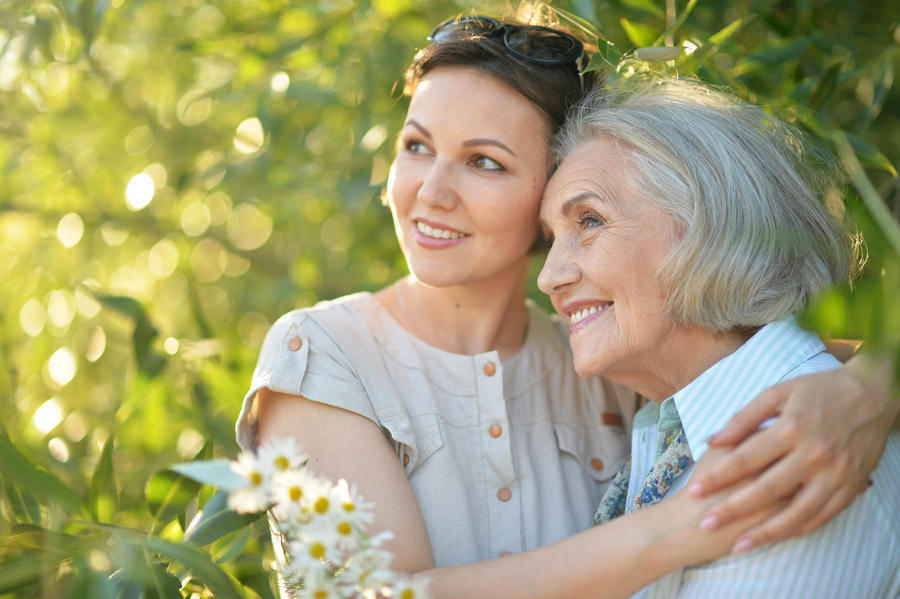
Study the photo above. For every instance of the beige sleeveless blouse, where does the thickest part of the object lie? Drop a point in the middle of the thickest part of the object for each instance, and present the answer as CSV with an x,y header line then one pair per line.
x,y
502,456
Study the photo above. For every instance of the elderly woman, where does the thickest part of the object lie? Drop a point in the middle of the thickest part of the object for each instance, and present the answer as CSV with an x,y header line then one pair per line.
x,y
681,218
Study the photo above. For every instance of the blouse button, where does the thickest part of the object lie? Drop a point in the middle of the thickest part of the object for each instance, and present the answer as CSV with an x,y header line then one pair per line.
x,y
504,494
496,430
597,464
489,368
295,343
406,460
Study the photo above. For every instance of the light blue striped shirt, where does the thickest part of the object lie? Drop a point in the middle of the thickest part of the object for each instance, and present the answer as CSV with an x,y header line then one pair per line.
x,y
855,555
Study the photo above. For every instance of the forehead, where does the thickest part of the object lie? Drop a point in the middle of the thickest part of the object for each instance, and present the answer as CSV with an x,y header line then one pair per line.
x,y
598,166
466,94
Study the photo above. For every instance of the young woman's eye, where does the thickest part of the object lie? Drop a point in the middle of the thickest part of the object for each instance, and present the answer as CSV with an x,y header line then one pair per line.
x,y
415,147
488,164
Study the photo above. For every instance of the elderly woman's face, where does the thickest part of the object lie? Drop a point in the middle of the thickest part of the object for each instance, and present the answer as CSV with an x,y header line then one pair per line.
x,y
608,245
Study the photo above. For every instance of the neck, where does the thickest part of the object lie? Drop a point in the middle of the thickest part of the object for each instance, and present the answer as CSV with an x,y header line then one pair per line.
x,y
463,319
686,354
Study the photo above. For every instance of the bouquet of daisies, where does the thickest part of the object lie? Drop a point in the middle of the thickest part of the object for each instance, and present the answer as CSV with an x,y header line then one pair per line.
x,y
324,550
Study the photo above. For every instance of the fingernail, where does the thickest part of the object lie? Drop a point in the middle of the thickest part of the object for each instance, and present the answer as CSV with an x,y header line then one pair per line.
x,y
709,523
695,490
743,544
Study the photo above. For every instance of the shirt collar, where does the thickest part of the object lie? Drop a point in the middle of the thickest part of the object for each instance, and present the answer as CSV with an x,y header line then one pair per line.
x,y
707,402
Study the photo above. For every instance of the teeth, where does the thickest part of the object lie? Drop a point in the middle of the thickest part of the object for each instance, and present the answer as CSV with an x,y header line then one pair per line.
x,y
437,233
584,313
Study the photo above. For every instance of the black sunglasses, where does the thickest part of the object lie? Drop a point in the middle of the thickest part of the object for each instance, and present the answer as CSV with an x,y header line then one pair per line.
x,y
541,45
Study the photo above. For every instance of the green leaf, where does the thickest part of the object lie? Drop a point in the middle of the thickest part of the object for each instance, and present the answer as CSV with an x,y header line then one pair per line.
x,y
671,29
658,53
647,6
168,495
825,88
23,571
640,35
199,564
103,486
869,155
607,55
30,537
18,469
724,34
216,521
212,472
232,545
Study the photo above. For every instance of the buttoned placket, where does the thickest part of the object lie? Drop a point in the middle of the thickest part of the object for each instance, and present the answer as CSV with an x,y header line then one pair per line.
x,y
503,494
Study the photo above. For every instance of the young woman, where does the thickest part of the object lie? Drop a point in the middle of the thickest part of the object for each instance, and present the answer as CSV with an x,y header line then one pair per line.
x,y
449,400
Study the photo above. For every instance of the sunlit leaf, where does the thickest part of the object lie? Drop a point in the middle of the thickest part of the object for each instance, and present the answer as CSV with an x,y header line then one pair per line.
x,y
658,53
199,564
168,495
216,521
18,469
869,155
212,472
103,485
640,35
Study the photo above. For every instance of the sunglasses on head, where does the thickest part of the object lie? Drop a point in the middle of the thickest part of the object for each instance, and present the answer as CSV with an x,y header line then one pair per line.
x,y
541,45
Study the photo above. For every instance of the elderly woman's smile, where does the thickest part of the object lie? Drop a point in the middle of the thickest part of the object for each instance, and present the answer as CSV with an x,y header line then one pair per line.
x,y
609,243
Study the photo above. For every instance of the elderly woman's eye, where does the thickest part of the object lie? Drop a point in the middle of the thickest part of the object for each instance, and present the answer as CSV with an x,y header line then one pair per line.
x,y
589,221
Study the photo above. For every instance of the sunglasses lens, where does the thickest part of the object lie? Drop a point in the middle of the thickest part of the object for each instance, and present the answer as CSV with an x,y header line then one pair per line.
x,y
543,45
463,27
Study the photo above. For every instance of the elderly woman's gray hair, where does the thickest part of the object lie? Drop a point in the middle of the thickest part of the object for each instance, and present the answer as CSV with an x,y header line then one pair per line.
x,y
757,241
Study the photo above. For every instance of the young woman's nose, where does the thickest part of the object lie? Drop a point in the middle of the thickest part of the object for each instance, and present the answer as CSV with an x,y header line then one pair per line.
x,y
559,271
438,187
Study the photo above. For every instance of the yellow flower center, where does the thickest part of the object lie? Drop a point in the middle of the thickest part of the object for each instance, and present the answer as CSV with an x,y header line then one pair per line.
x,y
321,505
344,528
295,493
320,594
282,463
317,550
256,478
349,506
408,594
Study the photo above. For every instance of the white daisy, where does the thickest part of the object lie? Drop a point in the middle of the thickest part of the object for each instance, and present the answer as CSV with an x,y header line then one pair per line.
x,y
254,496
407,588
291,494
280,455
353,504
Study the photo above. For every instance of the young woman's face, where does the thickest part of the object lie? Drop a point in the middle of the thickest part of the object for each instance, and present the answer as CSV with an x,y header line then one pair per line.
x,y
465,187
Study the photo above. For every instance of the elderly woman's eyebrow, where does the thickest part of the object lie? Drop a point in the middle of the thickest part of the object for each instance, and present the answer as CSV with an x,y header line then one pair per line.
x,y
582,197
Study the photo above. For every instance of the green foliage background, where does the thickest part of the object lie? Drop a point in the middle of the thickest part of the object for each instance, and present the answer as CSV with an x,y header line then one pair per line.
x,y
129,331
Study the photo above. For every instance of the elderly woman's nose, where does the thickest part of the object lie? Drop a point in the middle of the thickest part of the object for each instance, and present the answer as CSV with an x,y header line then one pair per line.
x,y
438,188
559,271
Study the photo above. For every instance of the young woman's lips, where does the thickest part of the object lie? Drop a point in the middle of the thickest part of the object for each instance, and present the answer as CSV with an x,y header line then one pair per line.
x,y
582,314
434,236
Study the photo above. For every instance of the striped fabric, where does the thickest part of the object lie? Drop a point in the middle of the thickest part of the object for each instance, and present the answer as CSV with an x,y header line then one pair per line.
x,y
856,555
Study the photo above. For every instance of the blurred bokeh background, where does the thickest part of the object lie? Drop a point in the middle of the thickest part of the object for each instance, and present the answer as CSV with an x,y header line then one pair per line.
x,y
175,174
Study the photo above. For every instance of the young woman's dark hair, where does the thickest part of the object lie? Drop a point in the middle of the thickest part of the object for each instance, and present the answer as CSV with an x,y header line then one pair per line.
x,y
551,88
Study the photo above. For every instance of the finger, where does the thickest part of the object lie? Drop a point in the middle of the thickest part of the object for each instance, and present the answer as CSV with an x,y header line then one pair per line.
x,y
781,480
766,405
748,458
802,516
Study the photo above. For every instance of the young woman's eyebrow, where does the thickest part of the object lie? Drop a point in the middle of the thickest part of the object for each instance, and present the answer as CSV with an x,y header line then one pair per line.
x,y
425,132
481,141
